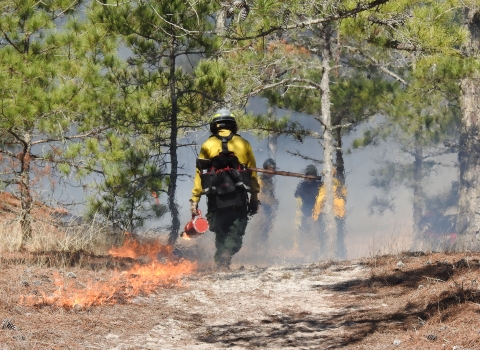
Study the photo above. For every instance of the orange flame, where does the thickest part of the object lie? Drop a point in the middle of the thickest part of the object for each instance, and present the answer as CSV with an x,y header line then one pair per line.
x,y
122,286
133,249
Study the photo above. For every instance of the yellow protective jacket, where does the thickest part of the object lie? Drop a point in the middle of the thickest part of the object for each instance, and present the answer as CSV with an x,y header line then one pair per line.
x,y
238,145
339,193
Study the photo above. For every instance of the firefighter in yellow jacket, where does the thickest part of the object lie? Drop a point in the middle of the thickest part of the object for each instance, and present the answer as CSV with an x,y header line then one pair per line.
x,y
227,214
310,196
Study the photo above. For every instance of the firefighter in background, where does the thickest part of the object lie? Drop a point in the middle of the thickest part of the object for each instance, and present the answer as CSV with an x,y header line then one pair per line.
x,y
306,224
227,221
264,220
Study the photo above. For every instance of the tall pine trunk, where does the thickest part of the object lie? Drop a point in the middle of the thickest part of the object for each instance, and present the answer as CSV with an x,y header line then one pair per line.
x,y
328,145
468,220
172,186
26,200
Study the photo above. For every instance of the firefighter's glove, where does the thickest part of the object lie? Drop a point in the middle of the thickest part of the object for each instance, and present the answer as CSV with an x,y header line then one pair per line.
x,y
253,205
194,208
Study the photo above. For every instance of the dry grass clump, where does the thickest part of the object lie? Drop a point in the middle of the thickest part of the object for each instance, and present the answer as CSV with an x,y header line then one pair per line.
x,y
56,245
46,237
51,232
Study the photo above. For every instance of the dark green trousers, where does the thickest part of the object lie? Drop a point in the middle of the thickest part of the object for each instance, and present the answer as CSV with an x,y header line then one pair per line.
x,y
229,226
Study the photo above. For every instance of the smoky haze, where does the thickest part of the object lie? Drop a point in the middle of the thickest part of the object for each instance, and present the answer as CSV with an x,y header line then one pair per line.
x,y
366,234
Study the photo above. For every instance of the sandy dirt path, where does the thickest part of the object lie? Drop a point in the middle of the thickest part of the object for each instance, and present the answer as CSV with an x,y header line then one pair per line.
x,y
270,308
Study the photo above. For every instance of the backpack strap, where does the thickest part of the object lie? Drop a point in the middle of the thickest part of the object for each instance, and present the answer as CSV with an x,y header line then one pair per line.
x,y
225,141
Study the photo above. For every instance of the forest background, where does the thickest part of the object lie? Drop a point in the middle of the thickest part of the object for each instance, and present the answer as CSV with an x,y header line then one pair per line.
x,y
112,97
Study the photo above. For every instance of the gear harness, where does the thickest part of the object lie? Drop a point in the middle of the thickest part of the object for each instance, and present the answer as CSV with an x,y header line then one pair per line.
x,y
224,178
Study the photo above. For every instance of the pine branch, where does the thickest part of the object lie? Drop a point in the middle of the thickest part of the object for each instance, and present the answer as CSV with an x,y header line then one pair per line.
x,y
8,153
285,82
298,154
72,164
341,126
377,64
15,135
187,32
11,42
331,18
207,96
74,137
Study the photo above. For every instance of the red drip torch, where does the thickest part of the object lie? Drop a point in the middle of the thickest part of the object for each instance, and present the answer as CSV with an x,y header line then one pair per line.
x,y
195,227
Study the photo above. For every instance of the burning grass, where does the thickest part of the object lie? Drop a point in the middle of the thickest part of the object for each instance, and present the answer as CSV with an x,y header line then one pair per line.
x,y
139,268
120,288
133,248
145,276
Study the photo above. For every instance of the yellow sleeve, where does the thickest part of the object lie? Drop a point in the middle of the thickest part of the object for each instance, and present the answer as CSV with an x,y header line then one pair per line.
x,y
251,163
197,183
197,187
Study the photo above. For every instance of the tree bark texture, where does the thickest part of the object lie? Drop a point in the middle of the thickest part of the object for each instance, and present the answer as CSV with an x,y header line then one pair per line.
x,y
328,145
220,19
468,220
25,195
172,186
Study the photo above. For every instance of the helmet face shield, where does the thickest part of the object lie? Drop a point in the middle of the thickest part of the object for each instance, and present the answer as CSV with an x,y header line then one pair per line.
x,y
224,119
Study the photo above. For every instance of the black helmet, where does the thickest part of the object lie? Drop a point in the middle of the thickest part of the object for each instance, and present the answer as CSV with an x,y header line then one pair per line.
x,y
311,170
223,119
269,163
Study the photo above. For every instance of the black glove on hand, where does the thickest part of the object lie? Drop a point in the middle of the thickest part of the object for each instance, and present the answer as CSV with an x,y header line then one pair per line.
x,y
253,205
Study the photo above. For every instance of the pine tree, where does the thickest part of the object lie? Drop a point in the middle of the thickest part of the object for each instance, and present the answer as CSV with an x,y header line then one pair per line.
x,y
50,83
170,89
128,188
424,129
444,37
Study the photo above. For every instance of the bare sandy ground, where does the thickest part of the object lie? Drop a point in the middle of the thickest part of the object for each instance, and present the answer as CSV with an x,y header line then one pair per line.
x,y
271,308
